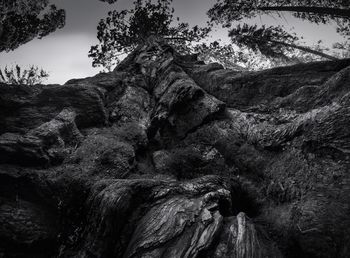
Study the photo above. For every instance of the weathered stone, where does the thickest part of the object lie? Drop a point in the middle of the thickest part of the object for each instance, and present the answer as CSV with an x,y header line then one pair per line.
x,y
27,229
160,159
190,162
248,89
169,157
133,106
25,107
173,214
50,143
240,239
182,105
107,81
105,155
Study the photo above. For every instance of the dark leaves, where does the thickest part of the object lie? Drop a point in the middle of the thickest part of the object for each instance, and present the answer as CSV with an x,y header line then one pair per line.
x,y
16,75
316,11
266,40
123,30
21,22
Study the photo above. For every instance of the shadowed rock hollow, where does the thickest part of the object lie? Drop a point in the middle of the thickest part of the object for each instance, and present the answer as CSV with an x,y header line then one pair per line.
x,y
170,157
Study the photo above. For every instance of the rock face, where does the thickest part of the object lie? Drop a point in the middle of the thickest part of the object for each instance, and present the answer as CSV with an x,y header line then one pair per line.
x,y
170,157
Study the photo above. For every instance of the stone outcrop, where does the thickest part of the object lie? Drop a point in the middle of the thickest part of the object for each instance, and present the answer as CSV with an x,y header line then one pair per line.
x,y
170,157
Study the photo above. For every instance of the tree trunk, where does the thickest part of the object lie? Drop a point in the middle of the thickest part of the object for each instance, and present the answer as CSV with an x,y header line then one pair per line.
x,y
305,49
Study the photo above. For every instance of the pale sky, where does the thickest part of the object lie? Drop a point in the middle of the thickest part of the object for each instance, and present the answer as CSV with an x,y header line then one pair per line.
x,y
64,53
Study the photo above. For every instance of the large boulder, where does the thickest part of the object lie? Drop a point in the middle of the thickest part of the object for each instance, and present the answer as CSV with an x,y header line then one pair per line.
x,y
25,107
47,144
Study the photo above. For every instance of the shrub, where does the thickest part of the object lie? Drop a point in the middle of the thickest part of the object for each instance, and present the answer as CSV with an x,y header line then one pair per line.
x,y
16,75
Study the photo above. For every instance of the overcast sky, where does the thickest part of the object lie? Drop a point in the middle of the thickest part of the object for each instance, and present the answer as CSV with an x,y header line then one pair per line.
x,y
64,52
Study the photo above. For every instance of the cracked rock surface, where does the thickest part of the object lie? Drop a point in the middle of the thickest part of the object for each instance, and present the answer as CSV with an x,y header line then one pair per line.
x,y
169,157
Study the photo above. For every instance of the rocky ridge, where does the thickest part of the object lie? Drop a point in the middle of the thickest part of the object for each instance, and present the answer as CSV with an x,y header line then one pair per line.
x,y
169,157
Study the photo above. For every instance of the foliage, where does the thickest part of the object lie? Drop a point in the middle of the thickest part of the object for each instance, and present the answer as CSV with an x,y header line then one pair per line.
x,y
191,161
246,59
24,20
235,58
344,48
264,39
214,52
343,27
255,61
318,11
16,75
274,42
22,6
122,31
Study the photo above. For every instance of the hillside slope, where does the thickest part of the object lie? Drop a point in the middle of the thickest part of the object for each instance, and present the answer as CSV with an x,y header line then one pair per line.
x,y
170,157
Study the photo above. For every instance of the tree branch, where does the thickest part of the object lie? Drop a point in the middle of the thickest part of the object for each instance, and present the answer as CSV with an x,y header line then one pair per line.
x,y
344,13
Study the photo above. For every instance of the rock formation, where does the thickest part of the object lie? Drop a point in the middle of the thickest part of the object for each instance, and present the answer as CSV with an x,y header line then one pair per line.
x,y
169,157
